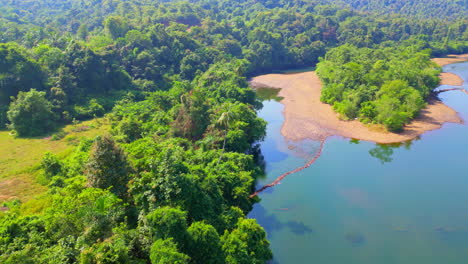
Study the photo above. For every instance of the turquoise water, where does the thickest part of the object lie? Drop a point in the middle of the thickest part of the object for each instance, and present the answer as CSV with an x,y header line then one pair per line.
x,y
364,203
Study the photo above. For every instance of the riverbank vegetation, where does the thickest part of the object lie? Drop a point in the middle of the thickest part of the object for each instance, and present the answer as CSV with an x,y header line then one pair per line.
x,y
387,86
169,179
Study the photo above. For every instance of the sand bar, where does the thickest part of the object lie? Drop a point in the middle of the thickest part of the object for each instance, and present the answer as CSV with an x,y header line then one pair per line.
x,y
307,117
447,78
450,59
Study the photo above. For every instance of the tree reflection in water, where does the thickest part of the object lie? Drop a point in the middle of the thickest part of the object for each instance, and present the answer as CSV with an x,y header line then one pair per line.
x,y
384,152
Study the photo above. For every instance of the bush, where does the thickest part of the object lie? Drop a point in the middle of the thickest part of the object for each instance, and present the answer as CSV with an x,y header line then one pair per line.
x,y
31,114
51,165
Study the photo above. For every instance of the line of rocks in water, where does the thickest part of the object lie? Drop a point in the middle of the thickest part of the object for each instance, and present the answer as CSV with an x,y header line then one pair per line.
x,y
451,89
282,176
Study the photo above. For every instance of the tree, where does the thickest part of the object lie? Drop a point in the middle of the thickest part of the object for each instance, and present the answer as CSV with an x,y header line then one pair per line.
x,y
51,165
192,118
108,166
246,244
165,252
204,244
116,26
112,250
31,114
18,72
224,121
83,31
168,222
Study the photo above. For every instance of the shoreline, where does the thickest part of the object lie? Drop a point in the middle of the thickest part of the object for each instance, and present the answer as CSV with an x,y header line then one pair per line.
x,y
451,59
448,78
306,117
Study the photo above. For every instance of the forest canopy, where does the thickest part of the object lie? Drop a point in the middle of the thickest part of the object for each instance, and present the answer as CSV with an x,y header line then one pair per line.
x,y
170,182
385,86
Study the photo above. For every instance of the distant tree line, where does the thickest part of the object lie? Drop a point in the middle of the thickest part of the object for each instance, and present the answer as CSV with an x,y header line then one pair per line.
x,y
86,55
416,9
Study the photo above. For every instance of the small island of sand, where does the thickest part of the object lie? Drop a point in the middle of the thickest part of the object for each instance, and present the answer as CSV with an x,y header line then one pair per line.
x,y
307,117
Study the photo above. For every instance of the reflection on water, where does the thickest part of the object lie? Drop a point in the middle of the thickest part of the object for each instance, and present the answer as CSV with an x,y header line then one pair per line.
x,y
364,203
267,94
384,152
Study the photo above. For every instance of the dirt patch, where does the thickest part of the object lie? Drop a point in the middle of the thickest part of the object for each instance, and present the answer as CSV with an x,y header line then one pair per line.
x,y
450,59
447,78
307,117
22,186
7,188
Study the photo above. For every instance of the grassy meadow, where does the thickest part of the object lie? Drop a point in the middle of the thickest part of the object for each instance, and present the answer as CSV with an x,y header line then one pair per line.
x,y
20,157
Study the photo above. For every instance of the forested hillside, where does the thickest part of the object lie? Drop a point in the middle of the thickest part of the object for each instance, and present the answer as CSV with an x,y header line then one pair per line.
x,y
439,9
170,182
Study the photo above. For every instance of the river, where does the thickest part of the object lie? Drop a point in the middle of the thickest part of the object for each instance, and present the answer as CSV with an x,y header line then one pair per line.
x,y
363,203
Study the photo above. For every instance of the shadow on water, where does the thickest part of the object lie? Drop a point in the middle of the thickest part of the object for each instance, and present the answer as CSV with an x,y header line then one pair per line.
x,y
451,235
298,228
272,224
355,238
271,153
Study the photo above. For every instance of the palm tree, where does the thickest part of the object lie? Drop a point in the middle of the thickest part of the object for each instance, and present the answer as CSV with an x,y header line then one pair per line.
x,y
224,121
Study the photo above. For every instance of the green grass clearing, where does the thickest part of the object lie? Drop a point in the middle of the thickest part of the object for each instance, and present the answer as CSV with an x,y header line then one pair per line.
x,y
20,157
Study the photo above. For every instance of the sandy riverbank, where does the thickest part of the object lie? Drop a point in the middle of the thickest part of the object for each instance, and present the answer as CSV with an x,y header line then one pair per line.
x,y
448,78
307,117
450,59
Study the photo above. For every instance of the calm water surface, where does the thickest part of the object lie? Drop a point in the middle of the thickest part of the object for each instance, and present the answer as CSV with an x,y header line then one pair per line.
x,y
368,204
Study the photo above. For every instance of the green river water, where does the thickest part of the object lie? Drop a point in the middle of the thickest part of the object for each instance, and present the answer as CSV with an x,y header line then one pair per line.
x,y
363,203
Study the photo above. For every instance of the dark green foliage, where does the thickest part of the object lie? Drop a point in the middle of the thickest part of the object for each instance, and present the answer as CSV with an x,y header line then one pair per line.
x,y
76,218
51,165
31,114
116,26
246,244
167,222
113,250
386,86
165,252
108,167
3,116
174,76
129,45
414,8
18,72
204,244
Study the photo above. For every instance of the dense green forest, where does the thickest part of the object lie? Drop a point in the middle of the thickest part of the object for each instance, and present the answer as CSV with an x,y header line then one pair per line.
x,y
387,86
441,9
170,182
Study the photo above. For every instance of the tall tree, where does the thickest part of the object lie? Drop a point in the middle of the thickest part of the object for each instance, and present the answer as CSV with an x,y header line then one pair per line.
x,y
108,166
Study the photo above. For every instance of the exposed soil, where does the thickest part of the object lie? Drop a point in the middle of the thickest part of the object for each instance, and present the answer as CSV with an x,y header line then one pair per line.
x,y
451,59
448,78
